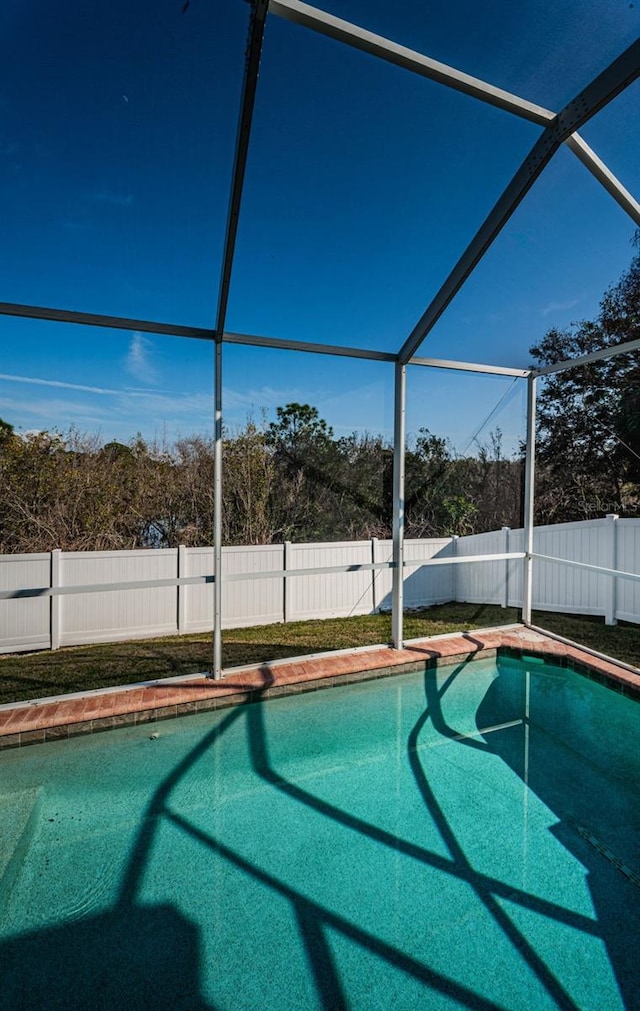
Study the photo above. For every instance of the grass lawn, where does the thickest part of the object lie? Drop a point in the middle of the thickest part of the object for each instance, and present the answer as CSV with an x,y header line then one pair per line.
x,y
78,668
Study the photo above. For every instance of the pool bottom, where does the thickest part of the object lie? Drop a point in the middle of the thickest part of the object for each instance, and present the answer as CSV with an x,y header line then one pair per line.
x,y
413,842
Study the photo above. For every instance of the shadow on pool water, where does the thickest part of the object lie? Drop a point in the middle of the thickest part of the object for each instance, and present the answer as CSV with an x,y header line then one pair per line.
x,y
146,956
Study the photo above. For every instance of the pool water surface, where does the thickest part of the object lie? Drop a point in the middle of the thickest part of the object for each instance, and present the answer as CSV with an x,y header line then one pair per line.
x,y
465,837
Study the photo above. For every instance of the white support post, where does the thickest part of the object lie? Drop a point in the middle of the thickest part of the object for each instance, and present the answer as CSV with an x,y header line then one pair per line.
x,y
398,504
217,515
286,565
56,601
505,547
182,590
612,563
529,497
374,573
252,65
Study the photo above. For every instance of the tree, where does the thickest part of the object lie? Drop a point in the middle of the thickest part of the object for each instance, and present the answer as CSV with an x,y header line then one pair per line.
x,y
299,430
428,475
306,459
251,512
587,421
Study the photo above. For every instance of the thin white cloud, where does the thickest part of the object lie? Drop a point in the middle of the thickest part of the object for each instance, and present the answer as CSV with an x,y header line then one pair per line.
x,y
156,401
115,199
162,407
559,306
57,383
56,413
76,226
266,396
121,415
138,361
55,403
169,403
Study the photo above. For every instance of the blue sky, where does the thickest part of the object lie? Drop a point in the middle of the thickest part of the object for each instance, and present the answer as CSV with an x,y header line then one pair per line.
x,y
364,185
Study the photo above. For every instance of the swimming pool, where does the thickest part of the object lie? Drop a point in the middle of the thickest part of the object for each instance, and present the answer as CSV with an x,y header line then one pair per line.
x,y
467,837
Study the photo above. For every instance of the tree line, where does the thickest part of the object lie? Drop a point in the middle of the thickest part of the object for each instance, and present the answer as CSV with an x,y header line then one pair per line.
x,y
588,420
288,480
293,479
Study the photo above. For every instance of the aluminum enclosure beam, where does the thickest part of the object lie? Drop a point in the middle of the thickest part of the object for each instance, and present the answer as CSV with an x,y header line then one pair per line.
x,y
492,370
313,348
585,649
249,577
376,45
23,311
605,176
529,499
399,440
502,556
610,83
587,567
252,66
110,322
594,356
217,513
365,41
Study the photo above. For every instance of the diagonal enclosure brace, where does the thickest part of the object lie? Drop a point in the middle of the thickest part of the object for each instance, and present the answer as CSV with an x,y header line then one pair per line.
x,y
252,66
400,56
376,45
605,176
619,75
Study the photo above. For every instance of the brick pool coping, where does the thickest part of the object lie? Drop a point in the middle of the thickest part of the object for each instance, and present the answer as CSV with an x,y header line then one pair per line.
x,y
40,721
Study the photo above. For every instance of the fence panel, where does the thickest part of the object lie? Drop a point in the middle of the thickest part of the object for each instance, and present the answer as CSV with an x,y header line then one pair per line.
x,y
561,588
515,569
384,577
337,594
198,600
483,582
429,584
25,623
117,614
627,597
252,602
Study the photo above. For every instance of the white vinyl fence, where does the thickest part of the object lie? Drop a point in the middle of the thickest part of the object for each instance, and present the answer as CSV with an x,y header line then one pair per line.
x,y
609,542
43,621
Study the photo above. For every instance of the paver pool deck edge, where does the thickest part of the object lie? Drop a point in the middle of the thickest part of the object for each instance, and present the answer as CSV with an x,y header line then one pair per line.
x,y
46,720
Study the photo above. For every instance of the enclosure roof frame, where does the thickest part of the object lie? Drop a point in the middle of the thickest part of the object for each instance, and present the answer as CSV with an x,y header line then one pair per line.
x,y
557,129
23,311
593,356
247,104
391,52
624,70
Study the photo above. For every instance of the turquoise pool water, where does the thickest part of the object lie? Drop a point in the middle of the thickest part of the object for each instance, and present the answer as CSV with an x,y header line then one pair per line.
x,y
469,837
